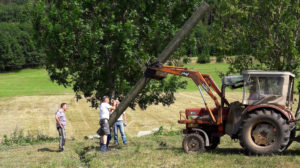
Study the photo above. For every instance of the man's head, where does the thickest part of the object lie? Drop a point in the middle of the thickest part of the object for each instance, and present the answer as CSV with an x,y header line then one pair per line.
x,y
63,106
105,99
112,101
117,102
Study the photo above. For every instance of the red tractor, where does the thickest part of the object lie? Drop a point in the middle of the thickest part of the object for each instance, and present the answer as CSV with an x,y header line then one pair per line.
x,y
263,120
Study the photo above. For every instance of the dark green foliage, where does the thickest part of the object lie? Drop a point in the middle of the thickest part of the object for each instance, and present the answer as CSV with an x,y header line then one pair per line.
x,y
261,34
204,57
99,47
17,49
200,43
12,13
220,59
18,138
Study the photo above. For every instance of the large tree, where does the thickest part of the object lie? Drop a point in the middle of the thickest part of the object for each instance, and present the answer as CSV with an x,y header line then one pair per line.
x,y
261,34
101,47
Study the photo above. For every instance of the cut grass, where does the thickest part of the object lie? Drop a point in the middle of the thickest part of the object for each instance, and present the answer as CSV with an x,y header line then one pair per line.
x,y
142,152
35,113
29,82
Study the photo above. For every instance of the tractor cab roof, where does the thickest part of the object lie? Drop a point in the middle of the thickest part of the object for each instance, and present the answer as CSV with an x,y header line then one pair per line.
x,y
267,73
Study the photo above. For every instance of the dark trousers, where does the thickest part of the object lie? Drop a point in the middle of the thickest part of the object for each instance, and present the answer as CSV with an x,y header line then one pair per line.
x,y
62,137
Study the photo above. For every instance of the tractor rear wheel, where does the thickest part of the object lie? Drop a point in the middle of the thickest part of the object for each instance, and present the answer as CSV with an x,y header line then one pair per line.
x,y
264,132
193,143
292,136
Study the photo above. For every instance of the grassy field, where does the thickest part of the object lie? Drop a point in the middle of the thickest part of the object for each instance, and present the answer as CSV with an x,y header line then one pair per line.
x,y
212,69
36,81
29,82
28,101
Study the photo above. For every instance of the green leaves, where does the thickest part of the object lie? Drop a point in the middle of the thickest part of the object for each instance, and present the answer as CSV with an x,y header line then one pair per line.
x,y
261,34
102,46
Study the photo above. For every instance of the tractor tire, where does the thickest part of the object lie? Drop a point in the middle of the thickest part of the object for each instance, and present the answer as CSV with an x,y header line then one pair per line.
x,y
292,136
193,143
214,142
264,132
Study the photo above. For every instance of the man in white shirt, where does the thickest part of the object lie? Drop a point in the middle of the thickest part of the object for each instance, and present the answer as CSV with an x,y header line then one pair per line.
x,y
61,123
105,109
119,124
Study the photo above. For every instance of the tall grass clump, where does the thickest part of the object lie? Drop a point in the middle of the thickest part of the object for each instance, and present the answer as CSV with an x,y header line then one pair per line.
x,y
18,138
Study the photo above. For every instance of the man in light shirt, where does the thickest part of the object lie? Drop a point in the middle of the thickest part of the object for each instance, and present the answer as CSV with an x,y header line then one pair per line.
x,y
119,124
61,123
105,109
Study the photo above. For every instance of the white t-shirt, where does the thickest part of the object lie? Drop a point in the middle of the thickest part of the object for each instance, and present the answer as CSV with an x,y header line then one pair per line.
x,y
104,110
121,117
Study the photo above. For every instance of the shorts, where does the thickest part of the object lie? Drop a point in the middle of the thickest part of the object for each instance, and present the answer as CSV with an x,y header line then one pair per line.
x,y
104,127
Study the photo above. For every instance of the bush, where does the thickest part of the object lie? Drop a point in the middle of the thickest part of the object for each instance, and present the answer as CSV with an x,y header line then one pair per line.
x,y
220,59
18,138
204,57
164,133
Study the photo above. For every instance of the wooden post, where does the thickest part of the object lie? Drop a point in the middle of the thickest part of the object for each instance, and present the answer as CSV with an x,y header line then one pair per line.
x,y
162,58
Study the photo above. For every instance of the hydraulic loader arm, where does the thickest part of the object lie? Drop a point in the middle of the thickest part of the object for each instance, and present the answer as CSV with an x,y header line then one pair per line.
x,y
158,71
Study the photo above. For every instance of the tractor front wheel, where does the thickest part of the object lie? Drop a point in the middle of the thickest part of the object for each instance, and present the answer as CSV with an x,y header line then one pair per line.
x,y
193,143
264,132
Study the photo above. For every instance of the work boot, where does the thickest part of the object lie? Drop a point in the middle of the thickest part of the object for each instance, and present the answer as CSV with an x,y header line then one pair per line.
x,y
103,148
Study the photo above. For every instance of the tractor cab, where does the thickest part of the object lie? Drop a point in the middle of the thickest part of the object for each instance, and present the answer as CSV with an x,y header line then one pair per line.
x,y
263,87
268,87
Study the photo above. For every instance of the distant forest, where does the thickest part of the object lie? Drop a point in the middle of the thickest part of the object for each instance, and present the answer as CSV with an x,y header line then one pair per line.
x,y
17,48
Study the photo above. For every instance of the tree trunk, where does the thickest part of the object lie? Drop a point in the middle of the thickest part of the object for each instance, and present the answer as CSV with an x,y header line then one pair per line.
x,y
162,58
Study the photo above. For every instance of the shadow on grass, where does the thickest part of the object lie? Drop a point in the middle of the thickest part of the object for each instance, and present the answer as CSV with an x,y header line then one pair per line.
x,y
291,152
228,151
221,151
47,150
97,148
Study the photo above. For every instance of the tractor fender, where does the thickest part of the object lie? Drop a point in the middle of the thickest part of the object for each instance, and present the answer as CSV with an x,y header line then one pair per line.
x,y
287,114
200,131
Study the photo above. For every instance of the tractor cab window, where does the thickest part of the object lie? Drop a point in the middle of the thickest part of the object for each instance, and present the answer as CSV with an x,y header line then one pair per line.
x,y
233,81
257,88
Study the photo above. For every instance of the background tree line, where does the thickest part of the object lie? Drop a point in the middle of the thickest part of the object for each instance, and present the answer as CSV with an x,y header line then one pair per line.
x,y
19,50
100,48
17,47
